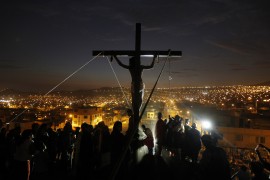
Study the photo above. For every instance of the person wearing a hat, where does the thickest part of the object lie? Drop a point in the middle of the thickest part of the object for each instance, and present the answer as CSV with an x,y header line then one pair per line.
x,y
214,163
193,138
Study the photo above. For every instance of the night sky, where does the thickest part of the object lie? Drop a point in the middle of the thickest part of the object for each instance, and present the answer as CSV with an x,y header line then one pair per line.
x,y
223,42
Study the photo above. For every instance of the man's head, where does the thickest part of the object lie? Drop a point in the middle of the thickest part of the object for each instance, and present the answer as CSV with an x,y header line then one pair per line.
x,y
159,115
207,140
194,125
186,121
143,127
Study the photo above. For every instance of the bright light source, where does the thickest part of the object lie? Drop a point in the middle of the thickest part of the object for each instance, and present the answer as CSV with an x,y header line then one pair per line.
x,y
206,124
147,55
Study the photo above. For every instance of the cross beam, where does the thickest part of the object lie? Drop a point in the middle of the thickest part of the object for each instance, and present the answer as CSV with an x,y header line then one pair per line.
x,y
127,53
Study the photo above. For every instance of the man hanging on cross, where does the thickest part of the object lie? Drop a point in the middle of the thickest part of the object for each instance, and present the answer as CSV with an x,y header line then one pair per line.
x,y
136,70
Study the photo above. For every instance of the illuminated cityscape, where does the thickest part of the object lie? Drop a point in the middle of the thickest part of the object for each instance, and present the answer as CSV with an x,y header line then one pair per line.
x,y
185,101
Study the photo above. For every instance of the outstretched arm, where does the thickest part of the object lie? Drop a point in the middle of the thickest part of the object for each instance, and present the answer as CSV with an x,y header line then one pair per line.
x,y
151,65
120,63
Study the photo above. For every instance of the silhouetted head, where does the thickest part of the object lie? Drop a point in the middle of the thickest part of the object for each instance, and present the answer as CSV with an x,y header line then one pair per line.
x,y
67,127
177,117
101,123
207,140
143,127
84,126
194,125
159,115
43,127
26,134
117,126
35,127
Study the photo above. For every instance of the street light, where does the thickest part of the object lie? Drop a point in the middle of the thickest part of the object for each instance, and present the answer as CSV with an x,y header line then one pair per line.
x,y
206,125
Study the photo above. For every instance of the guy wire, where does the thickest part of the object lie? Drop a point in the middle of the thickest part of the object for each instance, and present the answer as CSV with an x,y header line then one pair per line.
x,y
119,83
59,83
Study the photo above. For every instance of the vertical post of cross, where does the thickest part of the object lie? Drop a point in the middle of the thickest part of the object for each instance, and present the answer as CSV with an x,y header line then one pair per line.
x,y
136,103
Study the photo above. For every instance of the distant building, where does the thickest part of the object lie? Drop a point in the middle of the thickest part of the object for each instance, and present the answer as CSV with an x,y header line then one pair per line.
x,y
89,115
243,137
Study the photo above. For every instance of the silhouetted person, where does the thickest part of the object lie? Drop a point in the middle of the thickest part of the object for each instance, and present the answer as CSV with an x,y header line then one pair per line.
x,y
24,151
193,138
102,145
85,163
187,125
178,138
52,145
214,163
169,132
42,134
41,162
66,147
35,127
186,149
118,142
149,140
160,130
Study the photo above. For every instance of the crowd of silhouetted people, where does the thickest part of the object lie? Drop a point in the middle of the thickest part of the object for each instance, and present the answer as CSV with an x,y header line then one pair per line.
x,y
175,150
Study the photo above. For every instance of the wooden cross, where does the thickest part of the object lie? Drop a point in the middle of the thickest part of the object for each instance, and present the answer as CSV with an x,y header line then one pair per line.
x,y
136,68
